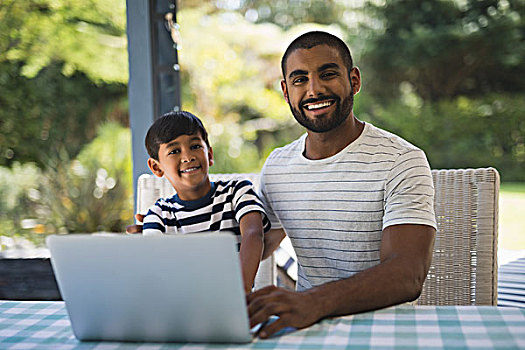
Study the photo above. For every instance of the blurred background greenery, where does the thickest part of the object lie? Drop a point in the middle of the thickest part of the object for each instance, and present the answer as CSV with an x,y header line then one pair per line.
x,y
445,75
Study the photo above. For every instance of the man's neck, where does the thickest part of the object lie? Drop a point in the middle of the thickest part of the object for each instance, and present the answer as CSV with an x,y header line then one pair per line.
x,y
326,144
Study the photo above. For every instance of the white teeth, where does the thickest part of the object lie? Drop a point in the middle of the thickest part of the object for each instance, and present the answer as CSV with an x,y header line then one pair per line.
x,y
188,170
319,105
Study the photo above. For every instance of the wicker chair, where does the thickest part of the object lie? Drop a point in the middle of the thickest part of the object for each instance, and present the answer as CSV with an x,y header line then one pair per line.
x,y
464,269
464,262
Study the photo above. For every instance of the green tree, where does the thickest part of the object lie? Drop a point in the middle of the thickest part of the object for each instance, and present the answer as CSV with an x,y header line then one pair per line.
x,y
63,69
40,115
283,13
446,48
287,14
87,36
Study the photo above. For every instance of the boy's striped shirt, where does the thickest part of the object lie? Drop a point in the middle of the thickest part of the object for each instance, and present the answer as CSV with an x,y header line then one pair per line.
x,y
221,209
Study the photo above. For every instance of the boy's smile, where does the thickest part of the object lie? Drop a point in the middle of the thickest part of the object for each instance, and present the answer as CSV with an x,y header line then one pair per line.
x,y
185,161
190,170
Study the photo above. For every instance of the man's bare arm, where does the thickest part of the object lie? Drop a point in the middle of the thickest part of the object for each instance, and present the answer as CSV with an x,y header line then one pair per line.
x,y
406,252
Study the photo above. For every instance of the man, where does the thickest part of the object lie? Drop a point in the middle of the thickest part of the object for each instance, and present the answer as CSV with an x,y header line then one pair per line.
x,y
356,201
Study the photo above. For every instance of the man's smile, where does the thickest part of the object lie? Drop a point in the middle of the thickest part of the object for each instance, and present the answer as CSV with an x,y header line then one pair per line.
x,y
318,105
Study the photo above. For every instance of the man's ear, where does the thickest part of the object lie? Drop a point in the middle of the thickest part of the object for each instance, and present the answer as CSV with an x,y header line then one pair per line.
x,y
355,80
285,91
154,166
210,156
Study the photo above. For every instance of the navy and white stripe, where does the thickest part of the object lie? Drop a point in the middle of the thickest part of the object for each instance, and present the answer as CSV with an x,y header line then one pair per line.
x,y
335,209
220,210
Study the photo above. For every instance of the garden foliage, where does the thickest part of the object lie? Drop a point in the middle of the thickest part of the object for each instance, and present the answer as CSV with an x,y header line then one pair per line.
x,y
445,74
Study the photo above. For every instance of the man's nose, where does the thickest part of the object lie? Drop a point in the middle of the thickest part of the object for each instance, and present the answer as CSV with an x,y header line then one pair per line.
x,y
315,87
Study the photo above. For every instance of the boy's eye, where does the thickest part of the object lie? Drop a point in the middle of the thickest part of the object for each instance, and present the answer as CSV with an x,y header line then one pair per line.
x,y
196,147
175,151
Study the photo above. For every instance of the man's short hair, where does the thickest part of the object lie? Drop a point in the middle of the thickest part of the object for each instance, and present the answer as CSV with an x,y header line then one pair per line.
x,y
170,126
316,38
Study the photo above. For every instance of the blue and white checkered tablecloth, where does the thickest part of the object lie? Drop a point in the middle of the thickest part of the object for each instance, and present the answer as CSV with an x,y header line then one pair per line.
x,y
45,325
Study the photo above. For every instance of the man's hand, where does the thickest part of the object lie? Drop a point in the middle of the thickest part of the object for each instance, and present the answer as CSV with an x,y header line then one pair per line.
x,y
136,228
298,310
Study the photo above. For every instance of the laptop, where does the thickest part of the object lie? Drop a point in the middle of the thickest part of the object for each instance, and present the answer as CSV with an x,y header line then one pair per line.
x,y
184,288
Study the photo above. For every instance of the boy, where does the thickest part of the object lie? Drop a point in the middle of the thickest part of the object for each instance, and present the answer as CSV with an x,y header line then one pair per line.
x,y
178,147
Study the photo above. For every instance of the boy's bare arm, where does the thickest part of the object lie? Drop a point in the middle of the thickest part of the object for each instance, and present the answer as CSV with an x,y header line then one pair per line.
x,y
252,245
272,239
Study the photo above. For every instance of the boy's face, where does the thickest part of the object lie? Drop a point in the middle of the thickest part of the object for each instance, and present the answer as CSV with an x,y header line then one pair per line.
x,y
185,161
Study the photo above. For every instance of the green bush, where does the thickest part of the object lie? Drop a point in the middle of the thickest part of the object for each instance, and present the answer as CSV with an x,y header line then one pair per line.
x,y
459,133
18,197
90,193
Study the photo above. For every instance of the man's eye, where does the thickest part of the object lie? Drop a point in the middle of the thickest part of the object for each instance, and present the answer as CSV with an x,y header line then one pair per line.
x,y
299,80
328,74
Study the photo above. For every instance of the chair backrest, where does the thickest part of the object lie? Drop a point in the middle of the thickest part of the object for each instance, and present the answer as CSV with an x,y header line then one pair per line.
x,y
464,268
150,188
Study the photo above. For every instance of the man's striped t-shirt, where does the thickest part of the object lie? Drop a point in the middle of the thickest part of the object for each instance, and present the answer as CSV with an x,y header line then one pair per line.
x,y
221,209
334,209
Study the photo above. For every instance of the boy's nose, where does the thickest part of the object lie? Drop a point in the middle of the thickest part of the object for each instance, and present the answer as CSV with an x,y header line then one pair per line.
x,y
187,158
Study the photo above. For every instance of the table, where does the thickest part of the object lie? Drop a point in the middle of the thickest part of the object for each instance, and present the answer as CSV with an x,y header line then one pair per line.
x,y
45,325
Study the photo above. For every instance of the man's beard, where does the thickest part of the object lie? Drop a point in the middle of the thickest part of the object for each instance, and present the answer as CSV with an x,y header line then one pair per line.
x,y
324,124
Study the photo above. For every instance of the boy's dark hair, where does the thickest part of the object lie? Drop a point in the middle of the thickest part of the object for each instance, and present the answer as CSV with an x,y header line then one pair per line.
x,y
170,126
316,38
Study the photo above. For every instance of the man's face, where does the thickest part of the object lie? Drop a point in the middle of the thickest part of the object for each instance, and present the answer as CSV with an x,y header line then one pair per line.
x,y
185,161
317,88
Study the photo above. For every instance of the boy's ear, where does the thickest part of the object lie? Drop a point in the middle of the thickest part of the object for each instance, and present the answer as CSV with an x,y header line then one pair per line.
x,y
210,156
154,166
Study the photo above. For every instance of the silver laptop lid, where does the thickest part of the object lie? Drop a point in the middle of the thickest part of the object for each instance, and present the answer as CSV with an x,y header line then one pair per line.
x,y
185,288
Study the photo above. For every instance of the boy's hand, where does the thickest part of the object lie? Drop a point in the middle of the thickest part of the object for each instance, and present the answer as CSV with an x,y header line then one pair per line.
x,y
136,228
